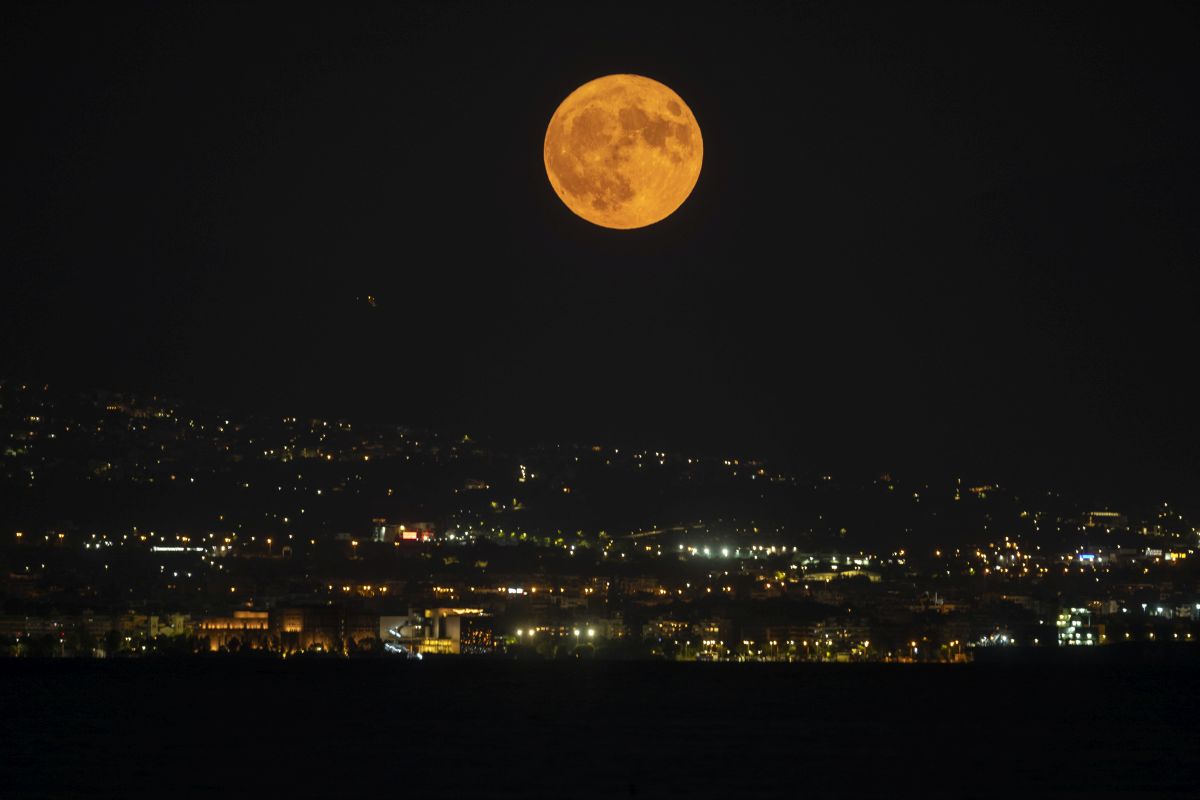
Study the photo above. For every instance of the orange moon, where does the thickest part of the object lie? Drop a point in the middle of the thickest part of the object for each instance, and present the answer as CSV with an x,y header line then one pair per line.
x,y
623,151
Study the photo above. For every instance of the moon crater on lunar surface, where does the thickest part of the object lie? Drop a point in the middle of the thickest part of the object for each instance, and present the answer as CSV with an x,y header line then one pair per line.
x,y
623,151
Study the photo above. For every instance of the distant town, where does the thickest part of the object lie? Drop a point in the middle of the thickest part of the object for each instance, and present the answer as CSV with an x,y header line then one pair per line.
x,y
133,527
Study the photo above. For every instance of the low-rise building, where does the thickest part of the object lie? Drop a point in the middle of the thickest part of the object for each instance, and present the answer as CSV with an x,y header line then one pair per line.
x,y
241,629
1075,628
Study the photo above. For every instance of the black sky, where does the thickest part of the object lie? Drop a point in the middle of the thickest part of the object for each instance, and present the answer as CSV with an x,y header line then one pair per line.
x,y
949,237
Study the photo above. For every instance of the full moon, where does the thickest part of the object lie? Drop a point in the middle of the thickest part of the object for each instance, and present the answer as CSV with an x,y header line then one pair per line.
x,y
623,151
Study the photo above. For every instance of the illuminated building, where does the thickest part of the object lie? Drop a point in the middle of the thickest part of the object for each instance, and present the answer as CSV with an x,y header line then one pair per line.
x,y
404,626
664,628
458,630
1108,520
322,628
403,633
248,628
790,635
169,625
391,532
1075,628
439,647
714,629
474,634
826,577
441,631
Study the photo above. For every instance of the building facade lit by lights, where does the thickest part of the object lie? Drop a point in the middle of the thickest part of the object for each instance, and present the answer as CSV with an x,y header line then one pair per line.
x,y
1075,628
439,631
250,629
1108,520
392,532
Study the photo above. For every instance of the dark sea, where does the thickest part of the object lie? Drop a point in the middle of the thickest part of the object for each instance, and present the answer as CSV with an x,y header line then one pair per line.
x,y
461,728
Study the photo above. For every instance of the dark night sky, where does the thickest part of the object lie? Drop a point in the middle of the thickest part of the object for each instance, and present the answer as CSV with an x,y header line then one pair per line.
x,y
955,237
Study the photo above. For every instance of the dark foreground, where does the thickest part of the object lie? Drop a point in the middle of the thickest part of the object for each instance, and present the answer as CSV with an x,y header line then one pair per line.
x,y
336,729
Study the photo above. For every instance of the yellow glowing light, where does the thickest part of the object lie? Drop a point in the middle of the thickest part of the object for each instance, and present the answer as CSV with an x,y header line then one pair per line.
x,y
623,151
